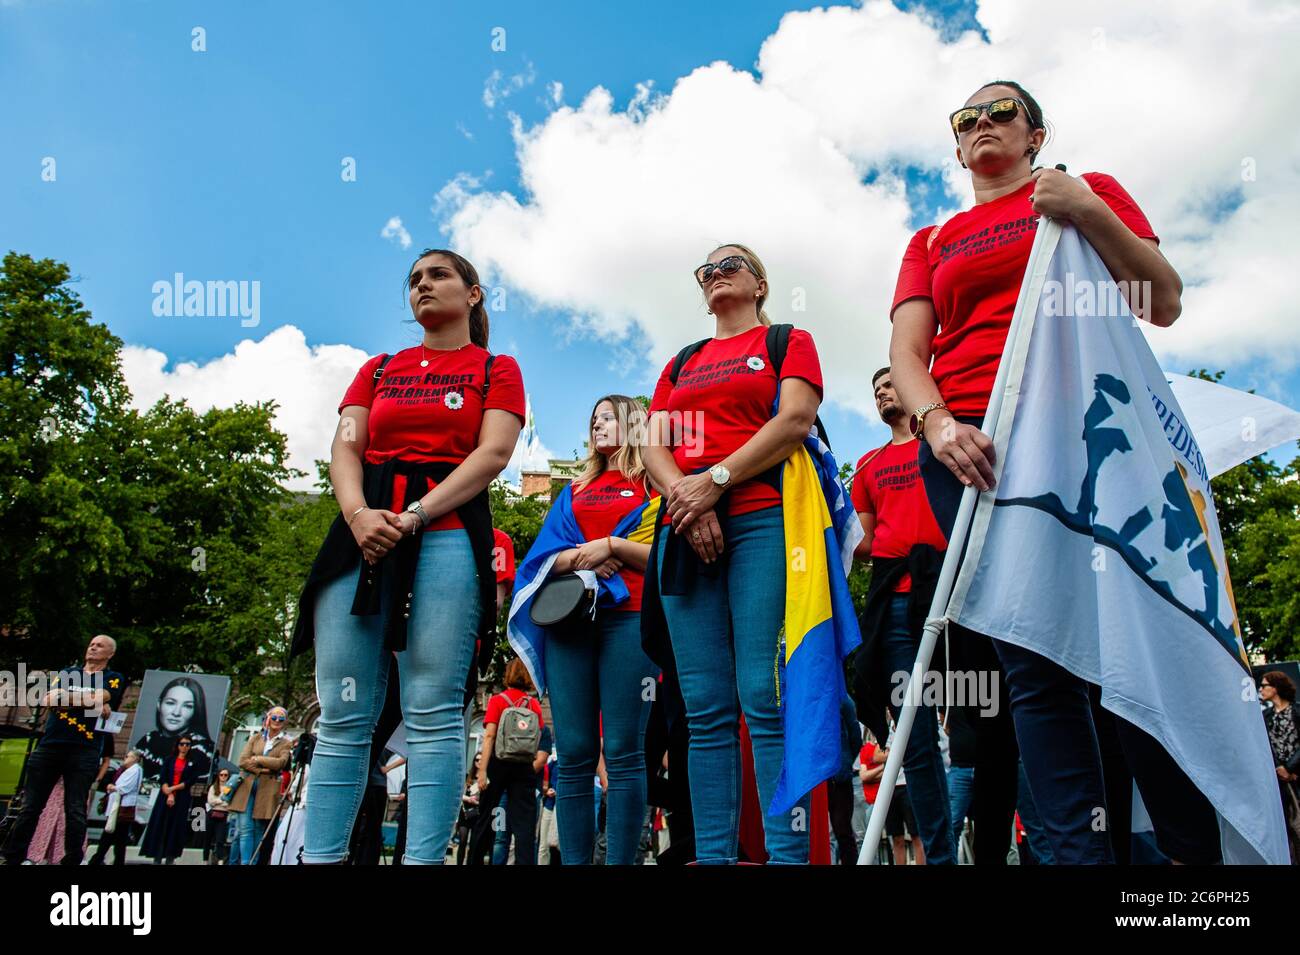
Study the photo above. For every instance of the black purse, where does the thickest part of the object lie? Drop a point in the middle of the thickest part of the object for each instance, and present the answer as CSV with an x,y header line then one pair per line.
x,y
563,602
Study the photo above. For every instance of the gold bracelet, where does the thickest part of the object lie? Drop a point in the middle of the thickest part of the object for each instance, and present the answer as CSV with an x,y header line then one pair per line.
x,y
363,507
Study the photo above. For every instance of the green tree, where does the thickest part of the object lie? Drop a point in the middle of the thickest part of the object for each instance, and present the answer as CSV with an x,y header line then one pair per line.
x,y
1258,506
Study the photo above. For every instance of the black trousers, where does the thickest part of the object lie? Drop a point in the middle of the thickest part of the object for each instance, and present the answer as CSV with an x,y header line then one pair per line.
x,y
77,766
117,840
518,783
216,837
839,804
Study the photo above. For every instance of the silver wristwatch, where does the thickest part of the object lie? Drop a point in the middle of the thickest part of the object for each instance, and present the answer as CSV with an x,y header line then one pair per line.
x,y
721,476
416,508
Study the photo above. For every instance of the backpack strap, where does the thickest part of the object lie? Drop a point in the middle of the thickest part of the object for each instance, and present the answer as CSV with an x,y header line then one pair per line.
x,y
487,374
778,343
379,369
684,356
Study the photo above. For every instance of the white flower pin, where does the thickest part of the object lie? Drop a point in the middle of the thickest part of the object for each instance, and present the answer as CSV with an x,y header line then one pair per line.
x,y
756,363
453,400
625,493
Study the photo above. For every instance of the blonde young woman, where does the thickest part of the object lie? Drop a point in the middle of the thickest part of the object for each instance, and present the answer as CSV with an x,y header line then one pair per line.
x,y
597,674
715,450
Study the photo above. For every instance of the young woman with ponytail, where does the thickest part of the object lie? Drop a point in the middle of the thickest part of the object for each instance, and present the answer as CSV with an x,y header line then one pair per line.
x,y
407,567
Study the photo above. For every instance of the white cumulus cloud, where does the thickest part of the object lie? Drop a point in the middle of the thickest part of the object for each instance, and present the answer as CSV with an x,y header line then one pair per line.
x,y
395,231
306,382
618,205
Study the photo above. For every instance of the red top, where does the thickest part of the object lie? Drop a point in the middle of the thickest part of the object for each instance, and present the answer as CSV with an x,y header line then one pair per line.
x,y
598,507
890,489
972,270
498,705
869,790
432,413
503,556
178,770
723,395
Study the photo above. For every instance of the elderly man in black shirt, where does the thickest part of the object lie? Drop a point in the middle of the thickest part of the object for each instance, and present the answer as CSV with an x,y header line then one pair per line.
x,y
69,748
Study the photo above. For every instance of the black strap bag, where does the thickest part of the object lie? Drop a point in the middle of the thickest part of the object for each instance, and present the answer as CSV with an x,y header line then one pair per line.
x,y
563,603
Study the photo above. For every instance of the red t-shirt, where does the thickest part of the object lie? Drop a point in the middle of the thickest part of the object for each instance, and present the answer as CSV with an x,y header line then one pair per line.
x,y
503,555
498,705
178,770
869,790
598,508
972,272
723,395
432,413
890,488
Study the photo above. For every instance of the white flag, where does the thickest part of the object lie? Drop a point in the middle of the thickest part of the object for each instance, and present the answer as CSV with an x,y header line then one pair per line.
x,y
1099,548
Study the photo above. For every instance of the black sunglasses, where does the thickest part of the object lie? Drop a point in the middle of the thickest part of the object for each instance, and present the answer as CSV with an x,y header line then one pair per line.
x,y
728,266
1000,111
183,744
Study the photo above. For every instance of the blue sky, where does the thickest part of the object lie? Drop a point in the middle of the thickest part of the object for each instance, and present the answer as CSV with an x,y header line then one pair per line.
x,y
225,164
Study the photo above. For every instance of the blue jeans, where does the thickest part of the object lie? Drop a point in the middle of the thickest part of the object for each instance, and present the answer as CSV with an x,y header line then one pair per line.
x,y
236,826
601,678
351,680
961,794
927,783
251,831
725,636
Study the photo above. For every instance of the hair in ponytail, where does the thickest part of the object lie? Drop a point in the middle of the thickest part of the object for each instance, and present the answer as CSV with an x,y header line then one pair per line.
x,y
478,316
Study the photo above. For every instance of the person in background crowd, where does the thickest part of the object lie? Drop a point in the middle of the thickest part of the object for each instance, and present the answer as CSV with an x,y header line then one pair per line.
x,y
1278,690
407,565
181,709
68,750
596,672
716,451
503,563
839,788
870,770
515,779
169,819
951,313
961,773
265,756
125,784
548,836
504,845
900,820
903,542
469,811
218,800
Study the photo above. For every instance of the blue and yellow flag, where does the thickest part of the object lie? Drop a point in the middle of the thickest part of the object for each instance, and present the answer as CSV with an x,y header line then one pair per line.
x,y
559,532
820,628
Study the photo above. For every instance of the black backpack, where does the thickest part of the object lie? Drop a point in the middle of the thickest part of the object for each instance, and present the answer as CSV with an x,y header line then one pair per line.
x,y
778,342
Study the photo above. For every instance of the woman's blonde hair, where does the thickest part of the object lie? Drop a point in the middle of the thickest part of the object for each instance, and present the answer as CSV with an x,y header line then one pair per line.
x,y
760,271
632,426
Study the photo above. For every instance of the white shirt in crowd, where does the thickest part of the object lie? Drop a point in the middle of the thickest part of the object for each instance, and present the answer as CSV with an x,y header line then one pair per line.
x,y
127,786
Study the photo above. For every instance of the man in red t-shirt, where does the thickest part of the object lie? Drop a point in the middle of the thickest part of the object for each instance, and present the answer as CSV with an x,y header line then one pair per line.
x,y
889,497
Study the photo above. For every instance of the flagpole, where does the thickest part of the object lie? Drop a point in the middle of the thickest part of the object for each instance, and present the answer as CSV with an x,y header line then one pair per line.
x,y
935,621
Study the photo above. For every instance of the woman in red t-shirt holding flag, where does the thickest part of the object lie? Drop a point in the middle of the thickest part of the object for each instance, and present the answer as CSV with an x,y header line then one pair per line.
x,y
715,451
407,567
957,289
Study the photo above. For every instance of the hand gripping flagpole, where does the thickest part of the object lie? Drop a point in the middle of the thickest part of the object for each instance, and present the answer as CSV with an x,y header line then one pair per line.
x,y
936,620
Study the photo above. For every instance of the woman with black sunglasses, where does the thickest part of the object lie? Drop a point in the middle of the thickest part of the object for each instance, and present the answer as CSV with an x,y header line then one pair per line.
x,y
169,820
715,451
956,292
